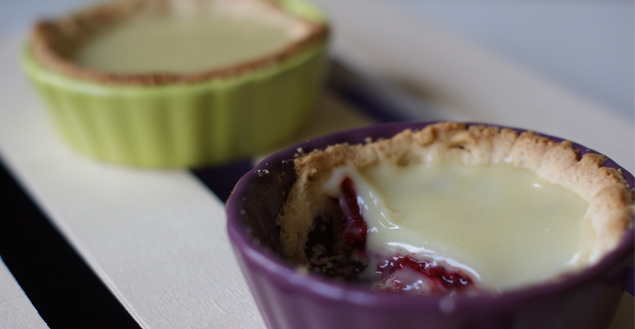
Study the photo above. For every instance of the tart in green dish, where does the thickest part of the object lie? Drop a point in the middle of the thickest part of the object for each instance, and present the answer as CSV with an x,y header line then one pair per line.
x,y
169,83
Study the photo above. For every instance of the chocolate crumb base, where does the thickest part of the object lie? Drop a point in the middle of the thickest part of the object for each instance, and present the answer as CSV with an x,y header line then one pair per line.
x,y
325,252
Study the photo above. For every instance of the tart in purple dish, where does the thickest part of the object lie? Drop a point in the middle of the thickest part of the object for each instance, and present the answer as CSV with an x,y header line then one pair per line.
x,y
439,225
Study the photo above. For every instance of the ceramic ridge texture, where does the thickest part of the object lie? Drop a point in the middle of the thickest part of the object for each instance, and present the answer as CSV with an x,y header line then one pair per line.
x,y
289,298
195,124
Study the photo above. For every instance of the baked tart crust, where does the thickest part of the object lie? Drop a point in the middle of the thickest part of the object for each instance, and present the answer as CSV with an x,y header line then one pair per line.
x,y
55,43
610,199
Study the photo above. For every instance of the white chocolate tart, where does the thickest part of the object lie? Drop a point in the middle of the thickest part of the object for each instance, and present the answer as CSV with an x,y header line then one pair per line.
x,y
150,42
174,83
451,209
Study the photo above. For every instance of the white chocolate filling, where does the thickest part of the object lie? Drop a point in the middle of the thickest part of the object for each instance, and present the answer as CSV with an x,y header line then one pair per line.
x,y
500,224
191,37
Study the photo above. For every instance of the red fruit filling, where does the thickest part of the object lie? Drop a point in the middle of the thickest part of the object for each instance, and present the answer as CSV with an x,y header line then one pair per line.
x,y
355,227
436,278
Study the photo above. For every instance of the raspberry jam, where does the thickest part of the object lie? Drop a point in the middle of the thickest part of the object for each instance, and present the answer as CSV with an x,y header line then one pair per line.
x,y
355,227
437,279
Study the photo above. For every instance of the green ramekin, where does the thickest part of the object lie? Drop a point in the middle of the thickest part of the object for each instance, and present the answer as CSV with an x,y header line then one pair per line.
x,y
192,125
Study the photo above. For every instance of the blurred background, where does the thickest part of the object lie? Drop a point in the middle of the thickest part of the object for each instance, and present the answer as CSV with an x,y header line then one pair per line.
x,y
585,45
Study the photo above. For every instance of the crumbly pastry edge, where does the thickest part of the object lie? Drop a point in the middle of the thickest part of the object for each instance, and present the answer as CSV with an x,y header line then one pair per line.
x,y
609,196
53,42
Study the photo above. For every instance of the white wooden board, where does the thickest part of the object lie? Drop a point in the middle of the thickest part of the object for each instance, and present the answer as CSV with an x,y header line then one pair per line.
x,y
157,238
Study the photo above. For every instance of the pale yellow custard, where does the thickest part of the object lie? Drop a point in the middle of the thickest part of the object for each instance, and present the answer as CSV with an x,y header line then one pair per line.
x,y
181,44
500,224
150,42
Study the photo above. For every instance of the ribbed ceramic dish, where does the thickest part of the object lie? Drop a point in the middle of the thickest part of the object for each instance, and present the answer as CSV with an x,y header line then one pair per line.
x,y
290,299
194,124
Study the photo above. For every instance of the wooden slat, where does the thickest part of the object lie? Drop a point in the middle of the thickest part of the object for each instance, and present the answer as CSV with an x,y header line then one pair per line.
x,y
16,311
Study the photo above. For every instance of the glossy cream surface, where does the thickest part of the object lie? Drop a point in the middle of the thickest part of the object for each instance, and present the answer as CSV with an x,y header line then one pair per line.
x,y
181,44
500,224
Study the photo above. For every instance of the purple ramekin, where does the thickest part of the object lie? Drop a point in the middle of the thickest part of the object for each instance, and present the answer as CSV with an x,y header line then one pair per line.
x,y
291,299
